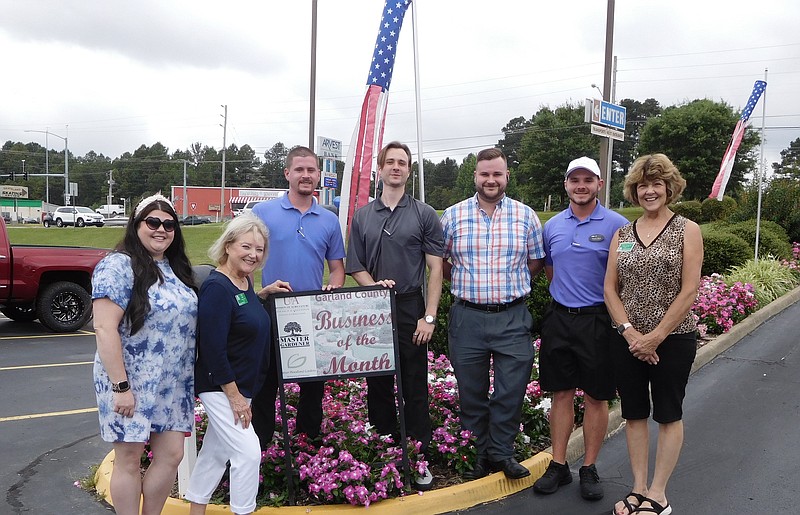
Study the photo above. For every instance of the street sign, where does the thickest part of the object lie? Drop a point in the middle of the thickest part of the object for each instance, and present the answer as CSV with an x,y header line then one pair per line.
x,y
608,114
608,132
10,191
329,148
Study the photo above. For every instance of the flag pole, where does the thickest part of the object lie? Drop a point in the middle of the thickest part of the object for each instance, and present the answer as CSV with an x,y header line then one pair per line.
x,y
420,166
762,169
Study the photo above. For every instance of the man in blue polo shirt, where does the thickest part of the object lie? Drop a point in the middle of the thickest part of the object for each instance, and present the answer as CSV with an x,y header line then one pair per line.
x,y
302,236
576,329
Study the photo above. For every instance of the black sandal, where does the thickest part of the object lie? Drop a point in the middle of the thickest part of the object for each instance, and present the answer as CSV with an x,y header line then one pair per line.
x,y
654,507
628,506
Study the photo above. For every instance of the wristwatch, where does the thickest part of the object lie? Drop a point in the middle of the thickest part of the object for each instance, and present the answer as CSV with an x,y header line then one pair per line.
x,y
121,387
430,319
622,327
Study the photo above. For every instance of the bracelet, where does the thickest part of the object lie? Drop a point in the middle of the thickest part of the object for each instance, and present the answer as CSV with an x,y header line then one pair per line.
x,y
121,387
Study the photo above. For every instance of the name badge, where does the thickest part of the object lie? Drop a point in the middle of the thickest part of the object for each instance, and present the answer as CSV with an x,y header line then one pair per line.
x,y
241,299
596,238
625,246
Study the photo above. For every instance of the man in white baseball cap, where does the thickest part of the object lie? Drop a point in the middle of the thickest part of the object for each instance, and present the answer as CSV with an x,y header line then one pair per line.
x,y
576,330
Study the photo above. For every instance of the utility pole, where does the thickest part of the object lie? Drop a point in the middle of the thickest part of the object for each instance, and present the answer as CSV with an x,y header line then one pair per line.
x,y
185,198
224,149
46,166
312,95
110,187
605,145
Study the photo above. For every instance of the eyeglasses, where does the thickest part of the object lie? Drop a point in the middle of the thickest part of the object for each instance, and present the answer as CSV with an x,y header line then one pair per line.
x,y
154,223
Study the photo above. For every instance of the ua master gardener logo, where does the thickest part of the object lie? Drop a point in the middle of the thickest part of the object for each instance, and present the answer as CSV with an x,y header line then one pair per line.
x,y
293,338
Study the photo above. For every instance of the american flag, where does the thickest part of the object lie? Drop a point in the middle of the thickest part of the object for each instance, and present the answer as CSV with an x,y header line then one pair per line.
x,y
718,190
368,134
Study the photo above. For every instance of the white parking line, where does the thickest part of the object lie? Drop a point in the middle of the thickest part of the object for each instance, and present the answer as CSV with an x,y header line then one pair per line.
x,y
51,414
47,365
37,336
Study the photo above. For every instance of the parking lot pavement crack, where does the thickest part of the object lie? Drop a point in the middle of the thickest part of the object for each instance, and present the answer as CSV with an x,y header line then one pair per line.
x,y
13,496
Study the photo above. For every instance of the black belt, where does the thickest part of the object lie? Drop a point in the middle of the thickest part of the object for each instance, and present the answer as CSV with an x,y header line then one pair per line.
x,y
409,294
597,309
490,308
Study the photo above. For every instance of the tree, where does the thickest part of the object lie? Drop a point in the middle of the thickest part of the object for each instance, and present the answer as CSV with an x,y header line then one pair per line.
x,y
637,114
694,136
465,182
274,164
510,144
790,161
555,138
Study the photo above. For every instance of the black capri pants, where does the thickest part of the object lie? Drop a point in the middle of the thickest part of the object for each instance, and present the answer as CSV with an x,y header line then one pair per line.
x,y
666,382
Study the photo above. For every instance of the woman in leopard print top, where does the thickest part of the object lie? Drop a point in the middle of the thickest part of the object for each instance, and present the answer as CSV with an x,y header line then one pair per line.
x,y
651,282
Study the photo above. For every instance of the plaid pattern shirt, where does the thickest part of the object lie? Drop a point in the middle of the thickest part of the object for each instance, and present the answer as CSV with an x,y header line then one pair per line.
x,y
490,254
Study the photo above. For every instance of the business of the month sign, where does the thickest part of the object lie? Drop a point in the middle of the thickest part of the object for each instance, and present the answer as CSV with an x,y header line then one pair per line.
x,y
335,334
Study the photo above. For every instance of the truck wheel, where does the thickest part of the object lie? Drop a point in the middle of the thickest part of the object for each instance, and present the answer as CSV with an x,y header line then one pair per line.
x,y
114,214
64,307
59,222
80,222
46,223
20,312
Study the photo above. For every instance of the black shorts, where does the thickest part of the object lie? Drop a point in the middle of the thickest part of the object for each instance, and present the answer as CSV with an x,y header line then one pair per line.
x,y
575,353
638,381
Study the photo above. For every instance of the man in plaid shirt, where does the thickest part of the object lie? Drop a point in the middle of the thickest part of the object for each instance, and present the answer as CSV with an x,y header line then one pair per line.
x,y
492,249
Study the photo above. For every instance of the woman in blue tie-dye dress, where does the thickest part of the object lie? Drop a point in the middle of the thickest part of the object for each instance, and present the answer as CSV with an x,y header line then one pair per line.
x,y
145,312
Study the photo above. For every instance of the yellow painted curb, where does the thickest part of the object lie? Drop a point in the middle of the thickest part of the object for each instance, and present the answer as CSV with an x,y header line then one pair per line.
x,y
458,497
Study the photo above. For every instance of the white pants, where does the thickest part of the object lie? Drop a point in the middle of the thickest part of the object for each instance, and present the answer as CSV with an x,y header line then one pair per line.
x,y
226,441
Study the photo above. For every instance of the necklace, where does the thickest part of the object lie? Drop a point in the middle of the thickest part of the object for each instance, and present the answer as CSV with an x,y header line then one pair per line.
x,y
239,282
652,229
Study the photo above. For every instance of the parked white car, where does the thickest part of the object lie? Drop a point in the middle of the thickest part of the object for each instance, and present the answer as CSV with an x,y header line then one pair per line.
x,y
78,216
111,210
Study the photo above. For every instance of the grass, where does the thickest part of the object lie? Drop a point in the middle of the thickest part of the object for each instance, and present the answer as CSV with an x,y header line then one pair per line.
x,y
198,238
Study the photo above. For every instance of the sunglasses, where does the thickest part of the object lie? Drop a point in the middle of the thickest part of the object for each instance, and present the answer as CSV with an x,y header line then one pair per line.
x,y
154,223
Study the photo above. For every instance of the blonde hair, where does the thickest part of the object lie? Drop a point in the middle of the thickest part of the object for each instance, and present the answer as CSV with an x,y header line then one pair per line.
x,y
649,168
240,225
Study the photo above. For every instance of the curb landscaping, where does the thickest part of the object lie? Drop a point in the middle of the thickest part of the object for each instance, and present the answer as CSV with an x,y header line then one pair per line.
x,y
492,487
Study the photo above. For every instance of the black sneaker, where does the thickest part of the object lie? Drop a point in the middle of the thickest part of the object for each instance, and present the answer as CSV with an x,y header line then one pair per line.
x,y
556,475
591,489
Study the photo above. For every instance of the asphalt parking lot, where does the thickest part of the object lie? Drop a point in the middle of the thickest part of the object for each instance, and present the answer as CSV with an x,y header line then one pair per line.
x,y
48,420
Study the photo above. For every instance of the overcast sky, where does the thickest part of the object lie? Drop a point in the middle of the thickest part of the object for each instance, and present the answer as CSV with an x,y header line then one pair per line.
x,y
121,74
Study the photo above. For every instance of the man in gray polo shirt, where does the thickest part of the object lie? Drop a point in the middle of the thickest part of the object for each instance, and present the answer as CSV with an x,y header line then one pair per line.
x,y
576,329
392,240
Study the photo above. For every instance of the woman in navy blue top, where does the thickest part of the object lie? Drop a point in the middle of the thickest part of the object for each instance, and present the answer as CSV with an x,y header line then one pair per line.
x,y
233,334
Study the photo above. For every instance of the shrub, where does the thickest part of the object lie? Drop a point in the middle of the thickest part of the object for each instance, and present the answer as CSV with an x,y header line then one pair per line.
x,y
718,306
722,250
772,239
793,264
780,203
691,209
769,278
714,209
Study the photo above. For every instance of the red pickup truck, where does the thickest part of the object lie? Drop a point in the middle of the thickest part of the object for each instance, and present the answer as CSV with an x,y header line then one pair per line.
x,y
50,283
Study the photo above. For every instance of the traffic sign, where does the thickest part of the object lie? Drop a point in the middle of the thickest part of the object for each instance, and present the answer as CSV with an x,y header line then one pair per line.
x,y
608,114
608,132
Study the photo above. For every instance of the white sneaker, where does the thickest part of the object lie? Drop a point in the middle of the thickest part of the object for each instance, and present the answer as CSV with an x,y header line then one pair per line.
x,y
425,482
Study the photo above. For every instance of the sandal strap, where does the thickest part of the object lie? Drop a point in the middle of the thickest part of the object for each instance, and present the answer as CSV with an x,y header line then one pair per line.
x,y
654,506
632,507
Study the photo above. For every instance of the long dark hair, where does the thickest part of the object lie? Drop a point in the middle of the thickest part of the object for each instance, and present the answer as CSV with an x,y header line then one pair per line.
x,y
145,269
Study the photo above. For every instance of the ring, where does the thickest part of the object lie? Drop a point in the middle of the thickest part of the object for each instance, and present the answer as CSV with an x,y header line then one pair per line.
x,y
241,416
